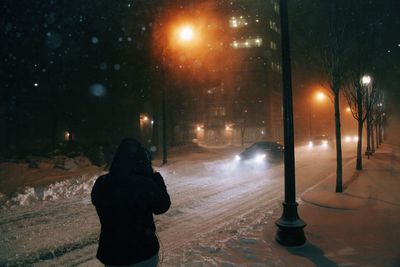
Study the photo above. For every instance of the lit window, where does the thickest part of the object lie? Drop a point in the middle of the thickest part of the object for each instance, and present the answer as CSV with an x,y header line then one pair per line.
x,y
249,43
276,7
237,22
273,45
276,66
273,26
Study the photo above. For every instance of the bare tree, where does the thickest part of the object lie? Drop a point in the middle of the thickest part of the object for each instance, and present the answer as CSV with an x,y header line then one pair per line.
x,y
333,55
357,95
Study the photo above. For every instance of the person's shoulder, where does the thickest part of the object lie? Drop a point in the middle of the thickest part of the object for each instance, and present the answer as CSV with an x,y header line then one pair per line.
x,y
102,179
99,187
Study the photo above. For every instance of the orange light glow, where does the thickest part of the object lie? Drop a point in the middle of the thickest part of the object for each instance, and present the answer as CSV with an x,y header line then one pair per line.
x,y
348,109
320,96
186,33
66,136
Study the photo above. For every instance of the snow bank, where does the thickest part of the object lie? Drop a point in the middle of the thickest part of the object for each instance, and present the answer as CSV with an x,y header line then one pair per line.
x,y
79,185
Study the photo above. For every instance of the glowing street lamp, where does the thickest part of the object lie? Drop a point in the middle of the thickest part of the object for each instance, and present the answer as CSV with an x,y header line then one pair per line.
x,y
186,35
366,79
320,96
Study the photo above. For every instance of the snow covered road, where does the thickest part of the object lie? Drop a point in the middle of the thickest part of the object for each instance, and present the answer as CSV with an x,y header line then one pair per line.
x,y
213,198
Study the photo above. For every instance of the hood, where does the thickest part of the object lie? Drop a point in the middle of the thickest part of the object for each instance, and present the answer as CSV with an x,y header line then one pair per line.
x,y
130,158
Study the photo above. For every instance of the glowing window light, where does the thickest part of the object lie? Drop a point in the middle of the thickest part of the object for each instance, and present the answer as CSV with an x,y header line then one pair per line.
x,y
237,22
249,43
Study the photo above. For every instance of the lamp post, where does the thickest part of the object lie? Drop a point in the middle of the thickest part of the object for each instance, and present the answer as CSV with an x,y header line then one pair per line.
x,y
185,34
290,227
163,108
366,80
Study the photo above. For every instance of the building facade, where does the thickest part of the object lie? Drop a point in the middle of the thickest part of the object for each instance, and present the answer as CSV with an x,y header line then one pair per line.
x,y
244,102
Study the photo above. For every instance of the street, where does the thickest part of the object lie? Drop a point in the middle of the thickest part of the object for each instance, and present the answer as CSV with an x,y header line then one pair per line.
x,y
212,198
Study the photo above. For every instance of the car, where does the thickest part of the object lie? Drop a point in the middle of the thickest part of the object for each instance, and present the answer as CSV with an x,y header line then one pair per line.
x,y
350,138
320,141
262,151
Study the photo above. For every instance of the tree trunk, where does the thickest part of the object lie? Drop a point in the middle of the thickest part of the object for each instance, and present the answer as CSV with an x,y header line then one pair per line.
x,y
339,171
368,151
359,145
377,134
372,139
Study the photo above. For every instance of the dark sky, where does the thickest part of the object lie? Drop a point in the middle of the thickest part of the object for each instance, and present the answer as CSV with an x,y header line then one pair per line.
x,y
69,57
379,18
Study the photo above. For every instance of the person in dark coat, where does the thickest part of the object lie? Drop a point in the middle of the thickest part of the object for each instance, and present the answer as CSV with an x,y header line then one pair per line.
x,y
126,199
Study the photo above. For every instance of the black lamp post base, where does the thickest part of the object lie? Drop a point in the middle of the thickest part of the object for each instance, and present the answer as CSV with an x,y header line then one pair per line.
x,y
290,227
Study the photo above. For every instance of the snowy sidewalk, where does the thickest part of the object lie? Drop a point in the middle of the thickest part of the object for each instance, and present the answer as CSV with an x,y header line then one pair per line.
x,y
360,227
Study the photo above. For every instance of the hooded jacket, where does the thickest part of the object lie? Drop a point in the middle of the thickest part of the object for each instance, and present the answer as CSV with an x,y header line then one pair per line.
x,y
125,200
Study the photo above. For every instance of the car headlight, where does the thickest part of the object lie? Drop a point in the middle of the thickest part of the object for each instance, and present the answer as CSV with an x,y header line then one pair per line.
x,y
237,157
347,139
324,143
260,158
355,138
310,144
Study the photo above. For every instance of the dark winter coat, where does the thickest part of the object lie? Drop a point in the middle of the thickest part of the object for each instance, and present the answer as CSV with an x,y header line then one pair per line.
x,y
125,200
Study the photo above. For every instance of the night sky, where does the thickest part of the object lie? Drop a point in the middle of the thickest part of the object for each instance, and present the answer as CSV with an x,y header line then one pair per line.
x,y
377,21
83,63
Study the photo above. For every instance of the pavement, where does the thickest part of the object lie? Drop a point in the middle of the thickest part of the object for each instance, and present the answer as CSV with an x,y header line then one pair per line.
x,y
359,227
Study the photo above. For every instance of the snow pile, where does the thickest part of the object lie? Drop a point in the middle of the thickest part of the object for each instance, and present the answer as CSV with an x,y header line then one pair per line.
x,y
79,185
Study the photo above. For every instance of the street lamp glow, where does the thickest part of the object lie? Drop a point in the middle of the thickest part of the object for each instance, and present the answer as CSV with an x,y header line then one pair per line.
x,y
366,79
320,96
186,34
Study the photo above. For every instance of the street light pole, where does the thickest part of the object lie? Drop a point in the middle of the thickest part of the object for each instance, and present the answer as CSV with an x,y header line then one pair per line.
x,y
310,114
185,34
290,226
163,107
366,80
